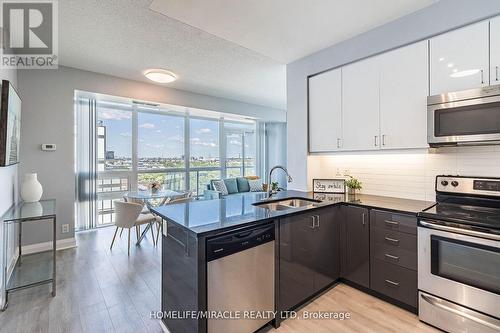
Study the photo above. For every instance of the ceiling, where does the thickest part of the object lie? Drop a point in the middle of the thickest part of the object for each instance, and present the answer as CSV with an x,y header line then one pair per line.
x,y
225,48
286,30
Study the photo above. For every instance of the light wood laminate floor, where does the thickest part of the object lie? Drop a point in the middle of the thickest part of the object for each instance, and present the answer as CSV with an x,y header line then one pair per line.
x,y
99,290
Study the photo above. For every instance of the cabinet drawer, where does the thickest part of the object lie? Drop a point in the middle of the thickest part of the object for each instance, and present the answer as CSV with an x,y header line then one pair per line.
x,y
394,281
393,239
392,221
394,255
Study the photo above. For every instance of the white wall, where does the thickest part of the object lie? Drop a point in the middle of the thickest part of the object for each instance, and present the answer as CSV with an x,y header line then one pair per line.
x,y
48,117
8,189
438,18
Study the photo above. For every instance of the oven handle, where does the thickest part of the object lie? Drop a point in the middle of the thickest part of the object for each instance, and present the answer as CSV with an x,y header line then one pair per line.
x,y
435,302
431,225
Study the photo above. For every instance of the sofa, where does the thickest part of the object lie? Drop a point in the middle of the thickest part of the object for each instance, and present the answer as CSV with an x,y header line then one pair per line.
x,y
236,185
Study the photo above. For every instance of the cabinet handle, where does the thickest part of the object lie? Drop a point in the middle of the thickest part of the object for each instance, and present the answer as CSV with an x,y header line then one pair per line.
x,y
391,223
313,222
363,219
496,73
317,220
383,140
376,137
390,256
392,240
482,76
338,142
396,284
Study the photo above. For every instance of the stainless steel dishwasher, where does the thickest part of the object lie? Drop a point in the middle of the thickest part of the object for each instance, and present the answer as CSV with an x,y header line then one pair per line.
x,y
240,279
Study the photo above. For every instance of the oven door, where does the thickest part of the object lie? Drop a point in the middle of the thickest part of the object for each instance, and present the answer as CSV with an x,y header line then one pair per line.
x,y
470,121
459,268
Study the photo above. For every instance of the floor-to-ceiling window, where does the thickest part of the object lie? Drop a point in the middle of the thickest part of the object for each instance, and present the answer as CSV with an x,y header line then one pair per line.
x,y
160,149
137,144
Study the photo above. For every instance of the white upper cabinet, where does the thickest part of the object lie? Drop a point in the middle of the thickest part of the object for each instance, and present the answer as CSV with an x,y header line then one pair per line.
x,y
404,88
495,51
360,105
325,111
459,59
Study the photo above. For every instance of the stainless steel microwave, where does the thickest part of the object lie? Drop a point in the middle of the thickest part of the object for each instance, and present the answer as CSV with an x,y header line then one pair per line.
x,y
469,117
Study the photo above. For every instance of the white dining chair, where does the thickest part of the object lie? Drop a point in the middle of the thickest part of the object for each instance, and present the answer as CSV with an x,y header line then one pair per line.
x,y
184,197
128,215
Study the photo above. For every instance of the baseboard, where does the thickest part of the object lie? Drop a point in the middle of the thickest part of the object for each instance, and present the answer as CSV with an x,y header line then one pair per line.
x,y
61,244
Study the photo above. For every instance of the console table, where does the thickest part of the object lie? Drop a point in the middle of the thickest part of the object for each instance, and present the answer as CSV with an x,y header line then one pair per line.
x,y
30,270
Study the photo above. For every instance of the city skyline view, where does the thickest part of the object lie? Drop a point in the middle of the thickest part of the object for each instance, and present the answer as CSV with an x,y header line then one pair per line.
x,y
162,136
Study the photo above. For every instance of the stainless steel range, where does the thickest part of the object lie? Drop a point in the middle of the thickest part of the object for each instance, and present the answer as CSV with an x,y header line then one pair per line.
x,y
459,256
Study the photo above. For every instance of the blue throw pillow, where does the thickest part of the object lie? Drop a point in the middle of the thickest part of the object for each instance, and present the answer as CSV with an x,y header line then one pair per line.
x,y
243,184
231,185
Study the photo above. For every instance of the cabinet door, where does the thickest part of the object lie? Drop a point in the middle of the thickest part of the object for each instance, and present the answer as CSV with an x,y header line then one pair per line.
x,y
360,105
296,272
325,111
355,247
326,248
404,89
459,59
495,51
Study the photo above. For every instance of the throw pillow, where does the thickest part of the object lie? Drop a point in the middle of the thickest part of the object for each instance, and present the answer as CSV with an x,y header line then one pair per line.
x,y
243,184
231,185
220,186
255,185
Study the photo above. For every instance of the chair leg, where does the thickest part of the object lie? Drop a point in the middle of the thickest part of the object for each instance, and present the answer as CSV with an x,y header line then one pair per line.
x,y
114,236
128,241
158,227
137,232
151,226
121,232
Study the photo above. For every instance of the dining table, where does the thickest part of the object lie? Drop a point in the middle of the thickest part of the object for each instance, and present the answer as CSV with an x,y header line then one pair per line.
x,y
151,199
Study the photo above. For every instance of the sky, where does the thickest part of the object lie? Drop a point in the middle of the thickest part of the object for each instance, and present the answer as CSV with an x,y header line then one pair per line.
x,y
163,136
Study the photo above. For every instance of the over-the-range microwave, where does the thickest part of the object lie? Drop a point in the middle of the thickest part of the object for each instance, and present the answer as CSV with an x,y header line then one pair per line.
x,y
469,117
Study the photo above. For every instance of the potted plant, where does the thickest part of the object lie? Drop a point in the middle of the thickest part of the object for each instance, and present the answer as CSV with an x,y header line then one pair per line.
x,y
155,186
274,187
352,184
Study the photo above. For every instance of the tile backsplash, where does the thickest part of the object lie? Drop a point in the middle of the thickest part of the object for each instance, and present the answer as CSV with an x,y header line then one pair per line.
x,y
406,173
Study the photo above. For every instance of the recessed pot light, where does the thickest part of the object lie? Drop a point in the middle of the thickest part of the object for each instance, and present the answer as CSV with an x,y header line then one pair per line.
x,y
160,75
464,73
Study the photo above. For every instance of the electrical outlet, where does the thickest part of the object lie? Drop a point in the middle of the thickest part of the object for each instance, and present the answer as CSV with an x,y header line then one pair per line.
x,y
65,228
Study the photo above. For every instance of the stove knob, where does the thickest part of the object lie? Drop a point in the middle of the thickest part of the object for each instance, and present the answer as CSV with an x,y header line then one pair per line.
x,y
444,182
454,183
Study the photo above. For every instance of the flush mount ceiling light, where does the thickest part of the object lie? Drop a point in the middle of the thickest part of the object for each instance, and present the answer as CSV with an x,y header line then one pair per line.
x,y
160,75
464,73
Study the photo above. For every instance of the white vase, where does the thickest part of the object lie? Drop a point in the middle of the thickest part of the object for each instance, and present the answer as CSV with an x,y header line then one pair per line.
x,y
31,189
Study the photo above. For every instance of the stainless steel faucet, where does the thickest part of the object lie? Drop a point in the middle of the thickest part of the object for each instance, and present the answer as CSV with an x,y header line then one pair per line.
x,y
269,190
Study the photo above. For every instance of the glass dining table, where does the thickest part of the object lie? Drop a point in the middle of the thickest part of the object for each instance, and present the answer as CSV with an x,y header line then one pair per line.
x,y
151,199
148,196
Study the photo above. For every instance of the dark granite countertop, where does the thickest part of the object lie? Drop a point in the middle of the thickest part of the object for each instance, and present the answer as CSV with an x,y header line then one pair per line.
x,y
212,216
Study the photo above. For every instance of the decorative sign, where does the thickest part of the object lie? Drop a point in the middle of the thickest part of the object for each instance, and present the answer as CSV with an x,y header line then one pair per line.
x,y
329,197
329,185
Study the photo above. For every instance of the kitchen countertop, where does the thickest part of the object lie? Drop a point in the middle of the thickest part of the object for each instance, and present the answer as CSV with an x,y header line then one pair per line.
x,y
212,216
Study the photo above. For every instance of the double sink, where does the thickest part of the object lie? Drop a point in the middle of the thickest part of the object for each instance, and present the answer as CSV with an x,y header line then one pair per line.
x,y
287,204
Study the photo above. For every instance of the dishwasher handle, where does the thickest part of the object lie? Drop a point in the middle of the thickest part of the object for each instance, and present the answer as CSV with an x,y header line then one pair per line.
x,y
228,244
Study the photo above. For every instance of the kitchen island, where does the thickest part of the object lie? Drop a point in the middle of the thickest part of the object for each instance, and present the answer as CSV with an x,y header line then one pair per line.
x,y
188,226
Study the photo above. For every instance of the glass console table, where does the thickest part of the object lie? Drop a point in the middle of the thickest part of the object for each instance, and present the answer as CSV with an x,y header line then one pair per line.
x,y
29,270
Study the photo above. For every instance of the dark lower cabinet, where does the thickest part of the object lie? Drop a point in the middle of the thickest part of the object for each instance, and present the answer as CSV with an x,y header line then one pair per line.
x,y
355,245
309,261
394,281
393,240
